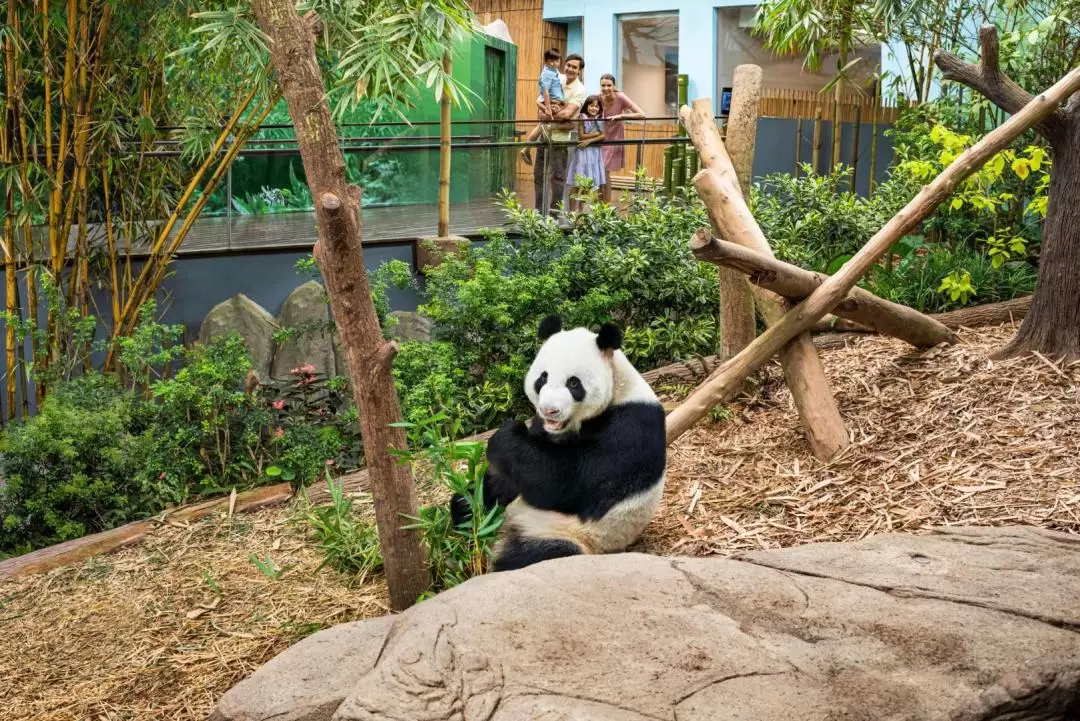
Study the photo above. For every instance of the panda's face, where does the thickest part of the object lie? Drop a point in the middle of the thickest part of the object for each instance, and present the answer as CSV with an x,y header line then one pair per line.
x,y
570,380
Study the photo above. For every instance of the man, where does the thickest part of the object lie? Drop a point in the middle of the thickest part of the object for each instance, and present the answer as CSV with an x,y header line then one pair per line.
x,y
554,159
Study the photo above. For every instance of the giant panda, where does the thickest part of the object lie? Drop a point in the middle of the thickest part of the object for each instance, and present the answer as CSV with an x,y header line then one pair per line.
x,y
586,475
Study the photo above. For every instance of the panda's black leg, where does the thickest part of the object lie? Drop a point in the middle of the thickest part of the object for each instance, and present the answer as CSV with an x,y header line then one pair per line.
x,y
518,552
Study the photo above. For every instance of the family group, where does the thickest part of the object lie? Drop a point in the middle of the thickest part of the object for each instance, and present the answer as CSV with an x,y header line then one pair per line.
x,y
574,122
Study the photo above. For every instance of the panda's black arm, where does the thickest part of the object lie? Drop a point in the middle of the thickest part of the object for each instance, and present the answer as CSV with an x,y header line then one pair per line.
x,y
527,464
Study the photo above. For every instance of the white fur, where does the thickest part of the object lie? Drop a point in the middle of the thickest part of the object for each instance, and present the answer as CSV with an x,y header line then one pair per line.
x,y
620,527
608,378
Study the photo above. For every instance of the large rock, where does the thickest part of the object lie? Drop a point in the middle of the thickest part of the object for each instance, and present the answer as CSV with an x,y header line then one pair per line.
x,y
963,624
254,324
307,311
410,326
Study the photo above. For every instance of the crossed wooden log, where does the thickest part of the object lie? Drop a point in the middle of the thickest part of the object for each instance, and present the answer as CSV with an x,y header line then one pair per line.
x,y
792,300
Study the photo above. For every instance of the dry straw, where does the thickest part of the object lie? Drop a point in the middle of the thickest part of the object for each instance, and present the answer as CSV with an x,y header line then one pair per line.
x,y
162,629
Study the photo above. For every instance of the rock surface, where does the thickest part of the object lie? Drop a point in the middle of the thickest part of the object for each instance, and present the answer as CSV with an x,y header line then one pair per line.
x,y
410,326
962,624
307,311
254,324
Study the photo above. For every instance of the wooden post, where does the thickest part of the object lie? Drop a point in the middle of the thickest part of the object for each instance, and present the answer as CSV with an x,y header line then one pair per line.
x,y
873,142
726,380
790,281
815,157
738,324
669,156
798,145
732,219
855,146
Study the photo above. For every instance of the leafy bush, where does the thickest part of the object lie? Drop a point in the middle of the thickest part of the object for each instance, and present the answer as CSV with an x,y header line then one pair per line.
x,y
75,467
348,546
455,553
635,269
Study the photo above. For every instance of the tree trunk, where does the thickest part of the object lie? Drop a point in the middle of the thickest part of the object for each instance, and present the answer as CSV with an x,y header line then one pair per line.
x,y
1052,325
341,260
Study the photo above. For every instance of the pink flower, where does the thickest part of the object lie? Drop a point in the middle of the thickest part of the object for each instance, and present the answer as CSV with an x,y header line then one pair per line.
x,y
161,476
279,432
279,404
307,369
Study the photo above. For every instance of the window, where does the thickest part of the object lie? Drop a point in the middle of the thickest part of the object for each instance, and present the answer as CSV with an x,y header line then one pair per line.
x,y
735,46
648,47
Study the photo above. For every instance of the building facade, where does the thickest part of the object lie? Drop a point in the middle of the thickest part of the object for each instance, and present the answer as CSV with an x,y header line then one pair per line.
x,y
646,44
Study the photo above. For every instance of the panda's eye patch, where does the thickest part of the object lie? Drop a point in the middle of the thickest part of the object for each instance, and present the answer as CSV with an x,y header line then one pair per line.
x,y
577,391
540,382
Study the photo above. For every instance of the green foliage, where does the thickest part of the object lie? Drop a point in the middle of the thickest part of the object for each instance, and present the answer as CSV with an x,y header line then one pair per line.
x,y
810,224
74,468
348,545
456,553
634,269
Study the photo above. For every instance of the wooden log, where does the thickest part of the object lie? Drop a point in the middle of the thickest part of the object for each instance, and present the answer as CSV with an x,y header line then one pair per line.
x,y
860,306
731,216
726,380
80,549
738,324
1007,311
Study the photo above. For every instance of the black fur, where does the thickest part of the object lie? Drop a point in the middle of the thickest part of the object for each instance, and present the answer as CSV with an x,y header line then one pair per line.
x,y
549,326
577,390
616,455
518,552
540,382
610,337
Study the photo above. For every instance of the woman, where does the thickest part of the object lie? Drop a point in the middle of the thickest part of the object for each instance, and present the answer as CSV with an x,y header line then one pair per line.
x,y
617,108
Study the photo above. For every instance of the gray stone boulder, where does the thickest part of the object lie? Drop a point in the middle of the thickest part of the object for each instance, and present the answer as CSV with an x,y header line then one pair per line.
x,y
963,624
307,311
410,326
254,324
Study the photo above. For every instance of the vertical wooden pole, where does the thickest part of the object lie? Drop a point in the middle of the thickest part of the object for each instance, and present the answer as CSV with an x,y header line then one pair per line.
x,y
875,110
444,149
798,145
732,220
855,146
815,157
738,324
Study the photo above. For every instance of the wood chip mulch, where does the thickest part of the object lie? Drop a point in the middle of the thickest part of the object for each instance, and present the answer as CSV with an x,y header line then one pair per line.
x,y
161,629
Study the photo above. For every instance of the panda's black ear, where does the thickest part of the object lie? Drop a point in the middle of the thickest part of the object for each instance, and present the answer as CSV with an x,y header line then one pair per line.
x,y
610,337
549,326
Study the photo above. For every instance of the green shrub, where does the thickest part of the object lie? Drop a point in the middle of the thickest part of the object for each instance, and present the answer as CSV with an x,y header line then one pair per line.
x,y
74,468
635,269
348,545
455,553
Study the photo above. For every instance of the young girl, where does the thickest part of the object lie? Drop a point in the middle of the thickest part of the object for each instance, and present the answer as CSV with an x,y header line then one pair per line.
x,y
588,161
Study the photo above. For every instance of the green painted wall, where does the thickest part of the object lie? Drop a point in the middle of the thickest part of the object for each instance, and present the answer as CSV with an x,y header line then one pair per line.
x,y
410,176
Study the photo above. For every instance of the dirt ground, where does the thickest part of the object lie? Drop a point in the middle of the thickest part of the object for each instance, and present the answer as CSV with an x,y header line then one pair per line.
x,y
160,630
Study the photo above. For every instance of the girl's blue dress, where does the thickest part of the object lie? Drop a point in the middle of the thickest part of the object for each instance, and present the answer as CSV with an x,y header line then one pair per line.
x,y
589,161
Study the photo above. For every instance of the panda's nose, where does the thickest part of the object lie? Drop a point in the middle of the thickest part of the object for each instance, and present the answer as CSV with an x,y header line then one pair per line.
x,y
548,411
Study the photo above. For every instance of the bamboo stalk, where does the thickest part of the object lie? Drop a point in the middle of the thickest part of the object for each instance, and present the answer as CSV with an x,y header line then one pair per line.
x,y
137,290
726,380
111,240
815,156
11,284
154,272
873,142
444,148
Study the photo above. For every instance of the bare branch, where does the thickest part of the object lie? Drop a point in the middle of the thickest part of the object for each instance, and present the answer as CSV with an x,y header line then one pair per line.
x,y
987,78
